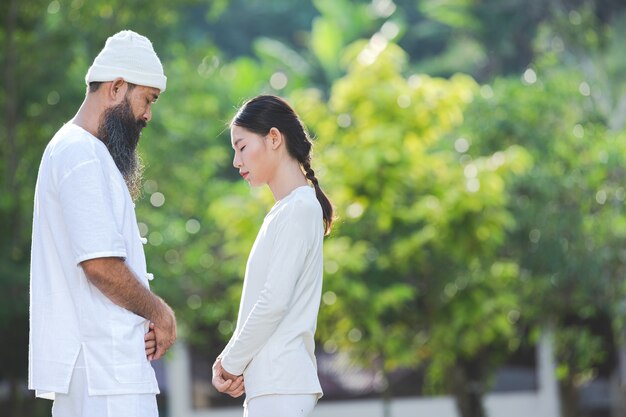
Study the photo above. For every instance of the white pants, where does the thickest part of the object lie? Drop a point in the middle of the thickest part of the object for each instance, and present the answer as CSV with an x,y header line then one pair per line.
x,y
78,403
280,405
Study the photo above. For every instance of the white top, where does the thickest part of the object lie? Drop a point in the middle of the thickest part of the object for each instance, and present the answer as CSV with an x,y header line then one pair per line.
x,y
83,210
273,343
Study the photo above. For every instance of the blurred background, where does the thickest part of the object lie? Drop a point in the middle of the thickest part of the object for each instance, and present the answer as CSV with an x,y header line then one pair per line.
x,y
475,153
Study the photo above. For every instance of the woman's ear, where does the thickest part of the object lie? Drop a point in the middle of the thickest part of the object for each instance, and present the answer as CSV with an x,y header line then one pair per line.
x,y
275,138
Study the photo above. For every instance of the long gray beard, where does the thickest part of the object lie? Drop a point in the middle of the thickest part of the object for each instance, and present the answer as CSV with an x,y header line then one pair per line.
x,y
120,131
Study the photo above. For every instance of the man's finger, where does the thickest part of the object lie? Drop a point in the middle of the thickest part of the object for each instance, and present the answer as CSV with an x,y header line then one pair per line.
x,y
163,342
158,354
150,354
161,350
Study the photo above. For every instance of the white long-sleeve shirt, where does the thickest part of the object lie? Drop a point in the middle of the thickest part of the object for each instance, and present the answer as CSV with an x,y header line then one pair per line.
x,y
273,343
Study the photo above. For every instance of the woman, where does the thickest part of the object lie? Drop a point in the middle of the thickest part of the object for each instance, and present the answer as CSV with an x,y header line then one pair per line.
x,y
272,348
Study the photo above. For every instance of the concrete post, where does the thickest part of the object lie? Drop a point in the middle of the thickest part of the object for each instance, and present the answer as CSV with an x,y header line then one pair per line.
x,y
178,381
548,385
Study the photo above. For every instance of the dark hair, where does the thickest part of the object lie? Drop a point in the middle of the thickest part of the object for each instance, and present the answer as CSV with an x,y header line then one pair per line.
x,y
95,86
260,114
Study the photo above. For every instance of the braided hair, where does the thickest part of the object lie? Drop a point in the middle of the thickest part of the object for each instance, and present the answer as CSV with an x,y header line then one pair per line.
x,y
260,114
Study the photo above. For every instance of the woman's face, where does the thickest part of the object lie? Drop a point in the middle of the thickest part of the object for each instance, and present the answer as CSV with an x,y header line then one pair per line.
x,y
251,156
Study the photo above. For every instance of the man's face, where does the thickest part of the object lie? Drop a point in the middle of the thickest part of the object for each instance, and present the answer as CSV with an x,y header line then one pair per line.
x,y
141,100
120,129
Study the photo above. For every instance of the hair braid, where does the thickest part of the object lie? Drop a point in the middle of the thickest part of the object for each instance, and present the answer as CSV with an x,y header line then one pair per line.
x,y
309,173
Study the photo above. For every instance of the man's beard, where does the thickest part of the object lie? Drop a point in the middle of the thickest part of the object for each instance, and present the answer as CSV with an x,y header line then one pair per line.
x,y
120,131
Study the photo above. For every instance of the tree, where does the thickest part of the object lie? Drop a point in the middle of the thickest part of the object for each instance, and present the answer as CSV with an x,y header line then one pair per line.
x,y
569,209
412,271
491,38
421,169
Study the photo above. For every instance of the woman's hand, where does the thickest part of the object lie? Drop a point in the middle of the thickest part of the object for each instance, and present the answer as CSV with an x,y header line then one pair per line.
x,y
226,382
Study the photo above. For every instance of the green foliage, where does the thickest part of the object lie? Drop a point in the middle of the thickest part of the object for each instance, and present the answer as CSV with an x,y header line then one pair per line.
x,y
489,38
465,212
569,208
481,316
408,261
341,22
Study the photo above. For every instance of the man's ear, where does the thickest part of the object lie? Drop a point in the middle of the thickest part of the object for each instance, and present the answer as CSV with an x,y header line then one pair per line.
x,y
275,137
117,90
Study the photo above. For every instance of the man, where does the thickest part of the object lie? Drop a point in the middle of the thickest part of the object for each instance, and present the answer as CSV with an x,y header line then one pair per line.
x,y
90,304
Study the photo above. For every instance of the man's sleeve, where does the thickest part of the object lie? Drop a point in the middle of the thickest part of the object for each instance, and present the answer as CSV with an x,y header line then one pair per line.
x,y
88,213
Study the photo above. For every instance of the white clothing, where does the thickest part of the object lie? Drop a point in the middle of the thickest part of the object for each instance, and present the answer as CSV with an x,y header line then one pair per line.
x,y
78,402
273,342
83,210
290,405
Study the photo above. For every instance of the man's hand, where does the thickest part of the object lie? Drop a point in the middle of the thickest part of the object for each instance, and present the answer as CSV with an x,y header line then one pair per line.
x,y
164,330
225,382
119,283
150,341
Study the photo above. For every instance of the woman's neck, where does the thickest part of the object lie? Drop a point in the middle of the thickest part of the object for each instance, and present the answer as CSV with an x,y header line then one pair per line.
x,y
287,178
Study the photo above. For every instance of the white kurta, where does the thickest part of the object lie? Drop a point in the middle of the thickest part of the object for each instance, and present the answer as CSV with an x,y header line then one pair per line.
x,y
82,211
273,343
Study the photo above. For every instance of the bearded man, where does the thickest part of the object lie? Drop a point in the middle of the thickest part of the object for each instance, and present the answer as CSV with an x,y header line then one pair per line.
x,y
91,308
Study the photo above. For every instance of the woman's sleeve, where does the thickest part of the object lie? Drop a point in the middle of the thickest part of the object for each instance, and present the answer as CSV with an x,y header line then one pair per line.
x,y
286,265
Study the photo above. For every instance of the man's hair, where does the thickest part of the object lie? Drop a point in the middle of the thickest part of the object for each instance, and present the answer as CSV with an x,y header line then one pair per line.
x,y
95,85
